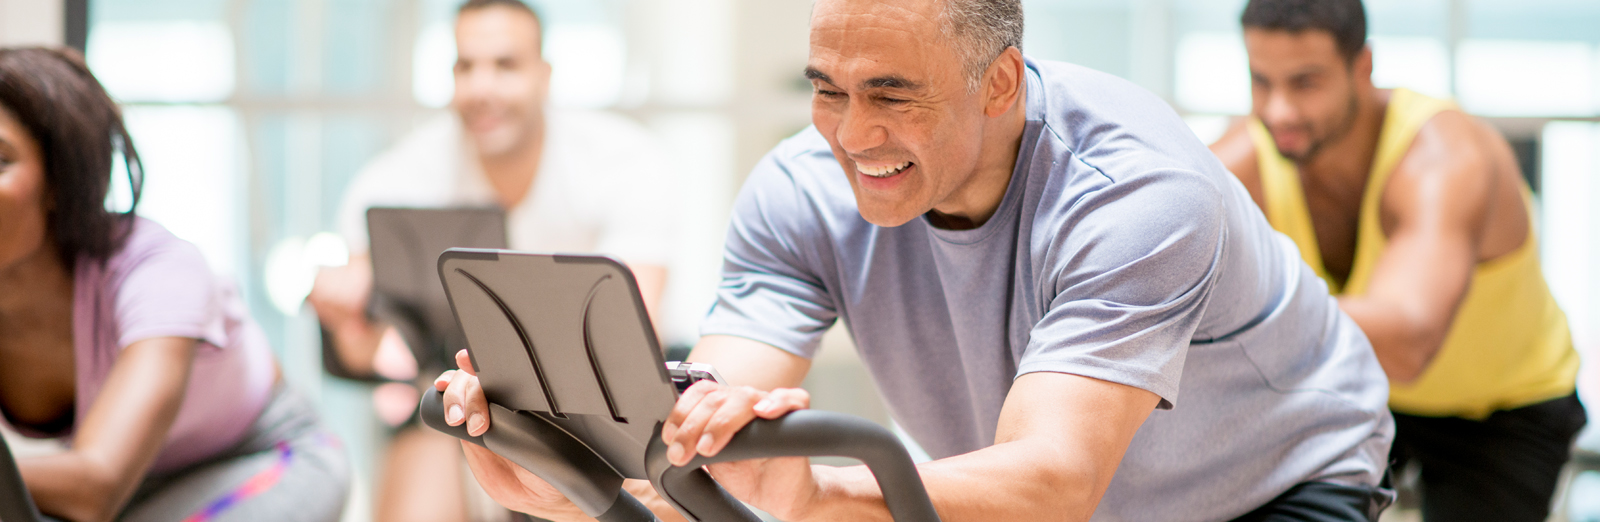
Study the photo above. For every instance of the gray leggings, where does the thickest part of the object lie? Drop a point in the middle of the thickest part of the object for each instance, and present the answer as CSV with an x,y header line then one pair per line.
x,y
288,468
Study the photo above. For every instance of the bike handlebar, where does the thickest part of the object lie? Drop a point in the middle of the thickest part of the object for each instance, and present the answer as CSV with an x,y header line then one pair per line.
x,y
566,463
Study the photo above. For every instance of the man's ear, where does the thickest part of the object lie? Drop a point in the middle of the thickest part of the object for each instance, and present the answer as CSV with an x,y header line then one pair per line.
x,y
1361,65
1002,82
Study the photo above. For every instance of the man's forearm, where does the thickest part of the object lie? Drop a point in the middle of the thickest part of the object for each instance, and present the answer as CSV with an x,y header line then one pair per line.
x,y
1022,480
1404,350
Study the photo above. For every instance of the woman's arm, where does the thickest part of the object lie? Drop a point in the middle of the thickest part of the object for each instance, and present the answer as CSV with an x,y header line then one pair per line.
x,y
118,439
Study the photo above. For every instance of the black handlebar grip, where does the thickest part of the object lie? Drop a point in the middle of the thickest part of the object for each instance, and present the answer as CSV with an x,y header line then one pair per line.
x,y
554,455
432,412
15,501
803,433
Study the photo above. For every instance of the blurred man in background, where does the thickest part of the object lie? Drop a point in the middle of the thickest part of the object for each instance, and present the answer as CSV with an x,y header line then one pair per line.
x,y
1417,216
569,182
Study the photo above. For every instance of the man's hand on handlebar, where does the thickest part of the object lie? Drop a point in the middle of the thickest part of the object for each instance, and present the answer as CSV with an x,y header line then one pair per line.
x,y
506,482
706,417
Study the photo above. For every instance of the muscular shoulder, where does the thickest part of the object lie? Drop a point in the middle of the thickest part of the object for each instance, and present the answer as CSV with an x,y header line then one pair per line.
x,y
1238,153
1451,151
1449,173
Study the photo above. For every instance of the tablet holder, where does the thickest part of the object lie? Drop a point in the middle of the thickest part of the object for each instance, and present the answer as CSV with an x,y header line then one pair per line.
x,y
578,392
404,245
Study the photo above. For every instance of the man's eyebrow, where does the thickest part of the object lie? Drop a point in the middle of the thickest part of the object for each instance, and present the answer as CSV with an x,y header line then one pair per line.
x,y
890,82
813,74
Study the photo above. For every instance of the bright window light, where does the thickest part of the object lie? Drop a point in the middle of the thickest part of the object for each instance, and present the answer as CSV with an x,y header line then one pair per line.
x,y
1208,127
1526,78
705,193
1570,232
192,161
694,61
176,61
587,65
432,60
1213,73
1417,63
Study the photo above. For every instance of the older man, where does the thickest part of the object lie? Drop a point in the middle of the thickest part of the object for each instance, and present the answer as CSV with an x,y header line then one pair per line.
x,y
1034,259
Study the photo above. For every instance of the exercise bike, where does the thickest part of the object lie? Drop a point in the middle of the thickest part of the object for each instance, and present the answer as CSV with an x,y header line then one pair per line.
x,y
16,504
578,392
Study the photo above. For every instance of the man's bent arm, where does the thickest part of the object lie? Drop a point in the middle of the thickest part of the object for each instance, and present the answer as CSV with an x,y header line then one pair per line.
x,y
1439,198
1059,441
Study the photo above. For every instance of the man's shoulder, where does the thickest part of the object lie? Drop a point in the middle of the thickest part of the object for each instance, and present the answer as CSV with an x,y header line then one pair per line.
x,y
1115,125
433,146
803,162
416,169
799,183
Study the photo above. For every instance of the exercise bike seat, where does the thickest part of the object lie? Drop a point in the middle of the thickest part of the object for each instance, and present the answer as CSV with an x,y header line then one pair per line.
x,y
578,392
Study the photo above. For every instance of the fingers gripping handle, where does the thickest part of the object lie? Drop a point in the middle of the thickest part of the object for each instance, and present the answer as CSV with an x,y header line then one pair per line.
x,y
549,452
802,433
432,412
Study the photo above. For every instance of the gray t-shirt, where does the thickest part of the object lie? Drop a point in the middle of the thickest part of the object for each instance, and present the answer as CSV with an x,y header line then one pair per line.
x,y
1122,251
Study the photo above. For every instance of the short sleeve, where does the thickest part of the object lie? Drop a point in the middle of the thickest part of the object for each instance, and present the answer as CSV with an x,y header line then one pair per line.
x,y
166,290
1129,273
771,290
642,222
418,171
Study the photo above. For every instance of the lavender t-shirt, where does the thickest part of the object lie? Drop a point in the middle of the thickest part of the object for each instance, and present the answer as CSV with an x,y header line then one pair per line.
x,y
158,285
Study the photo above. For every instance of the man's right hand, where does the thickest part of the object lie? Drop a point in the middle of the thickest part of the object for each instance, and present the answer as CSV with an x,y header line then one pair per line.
x,y
505,481
339,297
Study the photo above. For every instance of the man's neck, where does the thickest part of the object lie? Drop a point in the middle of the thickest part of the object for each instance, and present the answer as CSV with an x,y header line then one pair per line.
x,y
34,285
1344,164
980,198
511,175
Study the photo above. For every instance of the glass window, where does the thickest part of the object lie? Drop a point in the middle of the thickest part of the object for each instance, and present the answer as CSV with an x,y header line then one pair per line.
x,y
1570,224
1213,73
1418,63
1094,33
1526,77
182,61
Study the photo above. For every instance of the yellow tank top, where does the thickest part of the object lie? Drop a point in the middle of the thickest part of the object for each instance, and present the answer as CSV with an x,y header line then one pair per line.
x,y
1509,346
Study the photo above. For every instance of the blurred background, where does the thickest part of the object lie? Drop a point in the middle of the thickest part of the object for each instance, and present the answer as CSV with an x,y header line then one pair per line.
x,y
253,115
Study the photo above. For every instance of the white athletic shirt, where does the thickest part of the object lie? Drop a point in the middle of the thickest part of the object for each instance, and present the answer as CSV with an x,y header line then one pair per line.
x,y
604,185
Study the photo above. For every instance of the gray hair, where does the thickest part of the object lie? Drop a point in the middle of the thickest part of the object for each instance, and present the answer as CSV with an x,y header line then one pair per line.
x,y
980,30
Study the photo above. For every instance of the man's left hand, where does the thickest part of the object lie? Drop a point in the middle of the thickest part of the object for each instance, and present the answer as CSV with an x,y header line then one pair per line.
x,y
707,416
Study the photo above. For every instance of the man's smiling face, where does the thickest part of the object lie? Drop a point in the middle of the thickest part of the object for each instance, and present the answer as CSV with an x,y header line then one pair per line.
x,y
893,101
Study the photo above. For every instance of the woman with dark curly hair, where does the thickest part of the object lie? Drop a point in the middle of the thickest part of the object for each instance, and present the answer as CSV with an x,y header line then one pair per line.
x,y
116,335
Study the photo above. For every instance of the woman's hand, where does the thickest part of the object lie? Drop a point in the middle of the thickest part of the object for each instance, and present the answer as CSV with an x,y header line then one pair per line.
x,y
707,416
505,481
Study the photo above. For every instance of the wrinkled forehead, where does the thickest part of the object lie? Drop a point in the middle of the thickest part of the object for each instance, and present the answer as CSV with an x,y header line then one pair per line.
x,y
868,37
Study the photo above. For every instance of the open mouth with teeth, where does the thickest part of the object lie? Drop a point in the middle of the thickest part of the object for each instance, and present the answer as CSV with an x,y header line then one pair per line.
x,y
883,171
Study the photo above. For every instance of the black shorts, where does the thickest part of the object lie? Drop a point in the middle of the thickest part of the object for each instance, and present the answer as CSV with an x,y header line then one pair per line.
x,y
1503,468
1323,502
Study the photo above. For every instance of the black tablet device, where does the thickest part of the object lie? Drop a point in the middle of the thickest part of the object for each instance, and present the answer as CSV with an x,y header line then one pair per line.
x,y
565,337
404,245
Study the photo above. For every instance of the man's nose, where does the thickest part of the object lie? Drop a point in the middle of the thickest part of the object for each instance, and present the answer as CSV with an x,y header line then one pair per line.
x,y
1278,109
858,132
474,81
